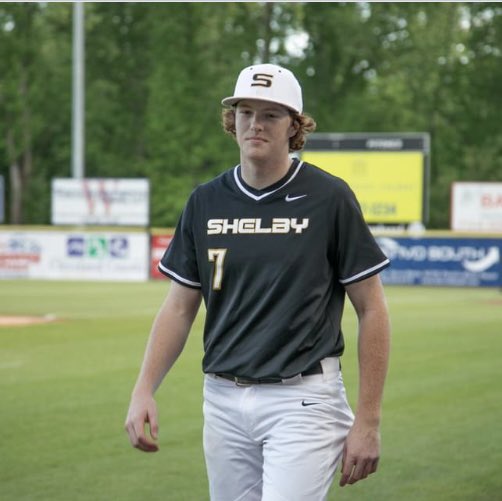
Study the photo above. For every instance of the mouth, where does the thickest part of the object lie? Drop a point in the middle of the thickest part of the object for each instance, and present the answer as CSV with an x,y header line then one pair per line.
x,y
255,138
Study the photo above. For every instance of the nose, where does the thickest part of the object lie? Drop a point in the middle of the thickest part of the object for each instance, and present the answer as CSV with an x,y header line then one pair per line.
x,y
255,123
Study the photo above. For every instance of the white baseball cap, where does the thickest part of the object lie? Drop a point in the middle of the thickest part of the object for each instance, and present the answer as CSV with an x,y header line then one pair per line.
x,y
267,82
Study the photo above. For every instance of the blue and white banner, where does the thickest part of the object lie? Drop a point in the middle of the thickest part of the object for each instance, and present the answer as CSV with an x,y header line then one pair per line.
x,y
459,262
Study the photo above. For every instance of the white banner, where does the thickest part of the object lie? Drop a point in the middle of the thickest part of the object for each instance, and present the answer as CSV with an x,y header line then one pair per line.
x,y
74,255
476,207
2,200
123,202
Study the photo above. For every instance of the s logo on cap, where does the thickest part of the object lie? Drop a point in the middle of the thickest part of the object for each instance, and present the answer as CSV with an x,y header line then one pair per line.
x,y
262,80
267,82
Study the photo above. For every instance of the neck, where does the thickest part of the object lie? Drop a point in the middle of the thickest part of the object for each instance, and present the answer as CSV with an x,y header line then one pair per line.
x,y
259,175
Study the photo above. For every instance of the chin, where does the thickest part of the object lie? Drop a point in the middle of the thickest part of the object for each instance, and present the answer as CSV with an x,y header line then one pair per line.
x,y
256,152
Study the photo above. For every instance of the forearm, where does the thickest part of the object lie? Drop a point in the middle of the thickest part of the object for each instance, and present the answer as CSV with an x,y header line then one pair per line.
x,y
373,351
373,346
168,336
362,447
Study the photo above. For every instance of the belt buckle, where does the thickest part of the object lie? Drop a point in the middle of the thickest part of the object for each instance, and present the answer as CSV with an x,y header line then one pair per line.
x,y
242,382
292,380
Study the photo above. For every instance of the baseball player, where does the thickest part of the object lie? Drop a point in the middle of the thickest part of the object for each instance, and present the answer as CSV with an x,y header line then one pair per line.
x,y
272,245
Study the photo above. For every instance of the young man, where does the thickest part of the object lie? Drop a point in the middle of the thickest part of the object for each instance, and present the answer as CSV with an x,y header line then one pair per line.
x,y
272,245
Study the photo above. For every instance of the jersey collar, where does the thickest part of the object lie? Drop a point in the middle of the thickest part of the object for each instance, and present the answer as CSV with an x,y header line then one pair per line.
x,y
257,195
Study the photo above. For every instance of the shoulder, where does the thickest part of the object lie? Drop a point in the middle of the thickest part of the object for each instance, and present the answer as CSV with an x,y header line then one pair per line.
x,y
217,183
213,188
325,181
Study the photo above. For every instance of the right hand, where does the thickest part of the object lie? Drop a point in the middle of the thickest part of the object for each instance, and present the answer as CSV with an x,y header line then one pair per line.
x,y
142,411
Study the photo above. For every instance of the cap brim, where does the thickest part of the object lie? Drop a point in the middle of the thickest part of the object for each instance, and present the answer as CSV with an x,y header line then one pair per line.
x,y
232,100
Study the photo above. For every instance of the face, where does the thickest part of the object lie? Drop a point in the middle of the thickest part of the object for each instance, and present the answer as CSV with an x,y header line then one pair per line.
x,y
263,129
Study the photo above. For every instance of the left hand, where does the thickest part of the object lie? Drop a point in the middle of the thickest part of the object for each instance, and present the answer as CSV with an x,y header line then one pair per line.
x,y
361,453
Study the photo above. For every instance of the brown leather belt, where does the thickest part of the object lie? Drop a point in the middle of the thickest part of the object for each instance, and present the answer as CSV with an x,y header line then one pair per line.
x,y
316,369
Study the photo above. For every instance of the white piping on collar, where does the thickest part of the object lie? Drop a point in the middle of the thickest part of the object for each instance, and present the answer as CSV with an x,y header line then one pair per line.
x,y
263,195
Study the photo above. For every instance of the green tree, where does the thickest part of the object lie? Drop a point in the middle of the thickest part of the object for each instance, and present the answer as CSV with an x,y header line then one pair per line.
x,y
155,75
342,51
17,66
34,65
477,85
117,66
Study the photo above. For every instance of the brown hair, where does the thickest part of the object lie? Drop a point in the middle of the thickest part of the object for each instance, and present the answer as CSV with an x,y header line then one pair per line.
x,y
306,125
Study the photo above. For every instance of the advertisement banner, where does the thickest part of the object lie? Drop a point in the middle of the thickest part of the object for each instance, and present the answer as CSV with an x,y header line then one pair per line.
x,y
158,245
2,200
74,255
476,207
121,202
458,262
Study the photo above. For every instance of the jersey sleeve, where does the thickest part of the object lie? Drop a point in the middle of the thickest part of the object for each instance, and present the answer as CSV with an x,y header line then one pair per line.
x,y
179,262
358,256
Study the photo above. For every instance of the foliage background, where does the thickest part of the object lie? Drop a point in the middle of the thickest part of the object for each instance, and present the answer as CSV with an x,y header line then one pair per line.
x,y
156,72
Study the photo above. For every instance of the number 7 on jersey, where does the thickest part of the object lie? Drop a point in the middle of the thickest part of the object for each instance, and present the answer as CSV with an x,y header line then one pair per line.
x,y
217,256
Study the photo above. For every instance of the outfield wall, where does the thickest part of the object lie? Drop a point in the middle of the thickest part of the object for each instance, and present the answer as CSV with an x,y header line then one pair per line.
x,y
48,253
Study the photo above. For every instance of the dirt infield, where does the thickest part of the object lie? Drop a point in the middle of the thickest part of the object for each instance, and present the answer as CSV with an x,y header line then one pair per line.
x,y
18,321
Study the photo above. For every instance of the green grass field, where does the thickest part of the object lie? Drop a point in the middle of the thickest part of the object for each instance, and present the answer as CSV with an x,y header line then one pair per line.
x,y
64,391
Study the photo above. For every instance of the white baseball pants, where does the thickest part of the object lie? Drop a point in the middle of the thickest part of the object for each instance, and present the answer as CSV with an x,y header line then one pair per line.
x,y
275,442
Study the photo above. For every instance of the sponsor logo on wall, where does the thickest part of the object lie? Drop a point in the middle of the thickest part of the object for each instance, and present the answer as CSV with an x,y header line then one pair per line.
x,y
18,253
97,247
443,261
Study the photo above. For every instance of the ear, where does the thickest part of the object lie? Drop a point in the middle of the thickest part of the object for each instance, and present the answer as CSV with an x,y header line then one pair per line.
x,y
294,127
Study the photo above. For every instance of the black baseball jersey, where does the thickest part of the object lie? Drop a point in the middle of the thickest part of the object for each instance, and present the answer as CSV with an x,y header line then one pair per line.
x,y
272,265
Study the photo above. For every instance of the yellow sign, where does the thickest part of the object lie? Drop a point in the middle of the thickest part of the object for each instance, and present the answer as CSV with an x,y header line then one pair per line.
x,y
388,185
